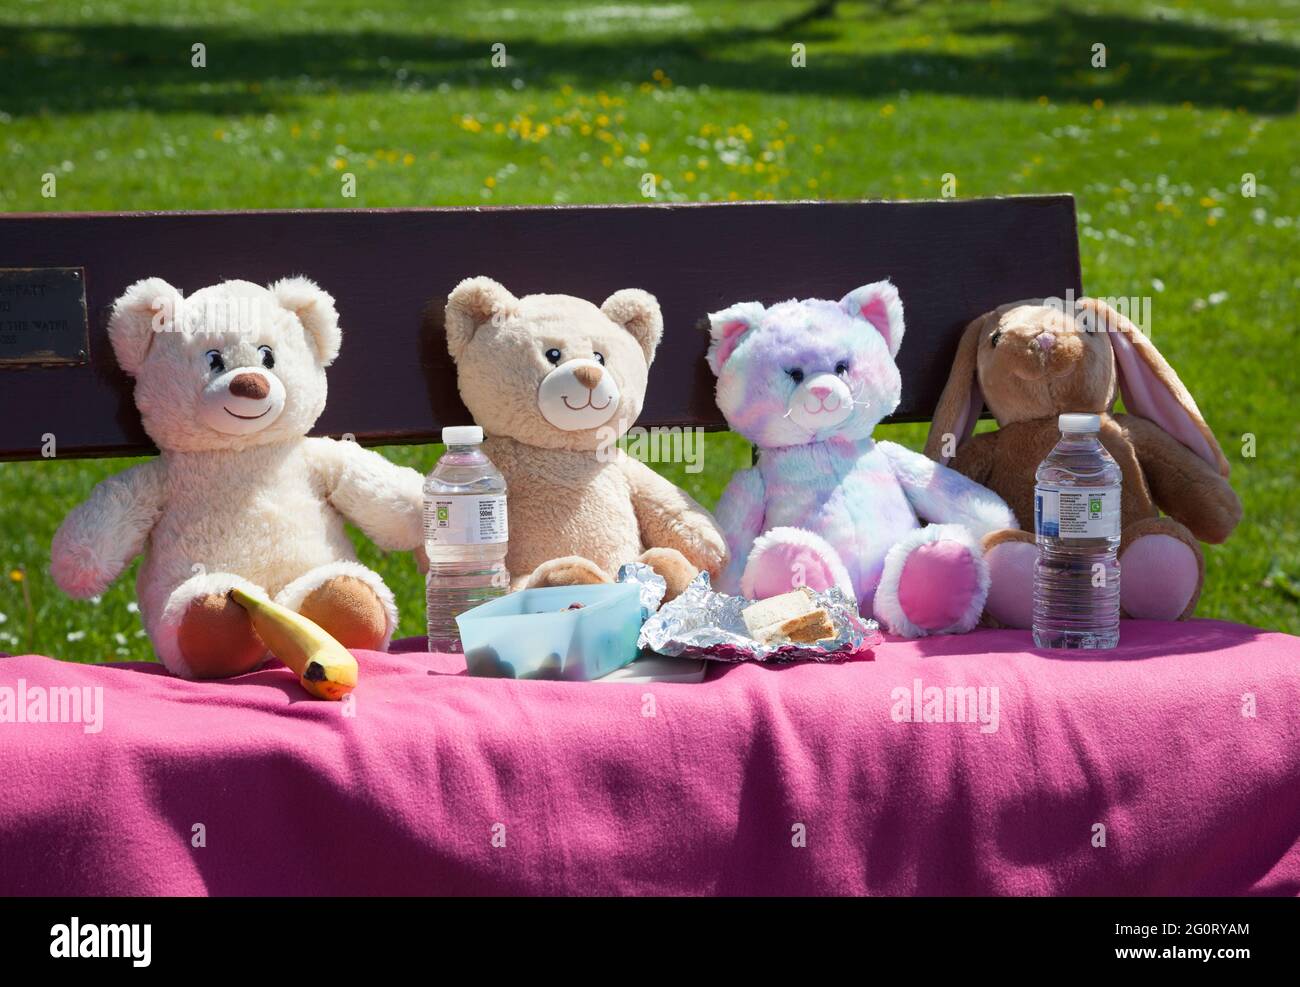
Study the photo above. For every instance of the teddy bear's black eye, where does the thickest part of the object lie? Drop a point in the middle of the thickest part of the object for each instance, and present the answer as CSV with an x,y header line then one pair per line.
x,y
842,367
600,358
215,363
796,375
268,358
553,355
997,334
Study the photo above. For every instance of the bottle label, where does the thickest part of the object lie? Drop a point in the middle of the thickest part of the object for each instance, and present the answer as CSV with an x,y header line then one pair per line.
x,y
465,520
1076,512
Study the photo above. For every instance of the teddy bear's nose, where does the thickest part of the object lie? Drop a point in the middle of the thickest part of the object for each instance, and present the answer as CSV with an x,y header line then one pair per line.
x,y
250,386
588,377
1046,340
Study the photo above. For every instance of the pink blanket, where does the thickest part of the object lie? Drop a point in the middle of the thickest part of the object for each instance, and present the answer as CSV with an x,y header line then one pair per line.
x,y
1171,768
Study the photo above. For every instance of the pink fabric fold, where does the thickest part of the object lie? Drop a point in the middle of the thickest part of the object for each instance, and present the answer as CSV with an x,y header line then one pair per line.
x,y
800,779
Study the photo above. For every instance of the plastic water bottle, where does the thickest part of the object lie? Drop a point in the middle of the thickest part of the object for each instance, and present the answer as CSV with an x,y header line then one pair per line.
x,y
465,534
1077,525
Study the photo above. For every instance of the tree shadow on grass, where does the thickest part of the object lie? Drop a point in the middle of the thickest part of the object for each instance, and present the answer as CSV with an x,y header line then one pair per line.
x,y
84,68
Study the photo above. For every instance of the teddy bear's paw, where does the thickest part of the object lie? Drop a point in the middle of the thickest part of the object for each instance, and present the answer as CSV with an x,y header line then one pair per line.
x,y
673,566
935,581
352,603
216,639
571,570
1010,554
349,611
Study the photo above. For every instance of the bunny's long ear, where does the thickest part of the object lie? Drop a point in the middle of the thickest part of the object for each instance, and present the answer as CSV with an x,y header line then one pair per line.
x,y
962,400
726,328
1150,387
146,307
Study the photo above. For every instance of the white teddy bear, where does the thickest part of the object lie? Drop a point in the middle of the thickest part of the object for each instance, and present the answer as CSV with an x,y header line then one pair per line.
x,y
228,382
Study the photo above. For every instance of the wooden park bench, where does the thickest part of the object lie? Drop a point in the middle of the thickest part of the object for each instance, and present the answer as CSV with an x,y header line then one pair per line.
x,y
797,779
386,268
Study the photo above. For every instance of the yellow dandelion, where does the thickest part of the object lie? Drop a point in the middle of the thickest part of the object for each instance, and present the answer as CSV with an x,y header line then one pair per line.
x,y
689,176
1207,202
490,182
408,160
658,75
17,575
643,147
1211,221
1098,103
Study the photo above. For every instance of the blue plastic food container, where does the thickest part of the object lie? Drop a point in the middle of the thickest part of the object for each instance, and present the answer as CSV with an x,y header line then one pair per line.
x,y
529,634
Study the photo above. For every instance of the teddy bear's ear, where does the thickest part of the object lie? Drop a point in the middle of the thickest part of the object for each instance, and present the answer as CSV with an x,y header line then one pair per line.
x,y
879,305
146,307
638,312
472,303
315,309
726,329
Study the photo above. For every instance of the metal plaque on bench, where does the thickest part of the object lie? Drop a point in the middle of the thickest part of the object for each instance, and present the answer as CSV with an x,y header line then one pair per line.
x,y
42,316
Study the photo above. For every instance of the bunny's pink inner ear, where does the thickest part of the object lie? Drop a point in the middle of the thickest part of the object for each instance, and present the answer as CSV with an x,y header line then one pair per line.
x,y
964,426
1149,397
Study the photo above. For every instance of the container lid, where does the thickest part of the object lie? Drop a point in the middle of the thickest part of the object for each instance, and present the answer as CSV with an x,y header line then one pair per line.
x,y
466,435
1077,424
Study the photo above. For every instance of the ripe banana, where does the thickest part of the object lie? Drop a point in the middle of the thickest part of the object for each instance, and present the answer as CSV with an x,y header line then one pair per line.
x,y
324,667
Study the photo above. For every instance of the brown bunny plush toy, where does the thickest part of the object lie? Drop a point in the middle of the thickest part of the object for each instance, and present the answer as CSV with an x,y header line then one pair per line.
x,y
1029,362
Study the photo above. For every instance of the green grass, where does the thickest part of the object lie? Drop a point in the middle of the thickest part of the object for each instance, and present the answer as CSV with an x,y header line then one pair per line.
x,y
703,95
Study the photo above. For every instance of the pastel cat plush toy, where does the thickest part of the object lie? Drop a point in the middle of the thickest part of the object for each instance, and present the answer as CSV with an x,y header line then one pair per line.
x,y
827,505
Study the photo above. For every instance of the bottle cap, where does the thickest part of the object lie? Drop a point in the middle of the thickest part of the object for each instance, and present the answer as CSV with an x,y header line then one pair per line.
x,y
463,435
1079,424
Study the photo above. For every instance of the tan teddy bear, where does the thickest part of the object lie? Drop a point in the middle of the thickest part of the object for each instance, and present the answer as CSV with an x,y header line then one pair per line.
x,y
228,382
554,381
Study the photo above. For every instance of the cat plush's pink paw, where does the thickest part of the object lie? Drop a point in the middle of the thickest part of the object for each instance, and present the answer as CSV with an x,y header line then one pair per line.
x,y
935,581
786,558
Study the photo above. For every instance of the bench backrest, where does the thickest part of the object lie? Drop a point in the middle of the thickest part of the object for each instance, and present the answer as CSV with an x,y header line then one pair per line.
x,y
390,272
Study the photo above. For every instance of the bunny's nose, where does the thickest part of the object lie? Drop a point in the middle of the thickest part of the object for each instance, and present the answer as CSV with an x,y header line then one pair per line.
x,y
588,377
820,391
250,386
1046,340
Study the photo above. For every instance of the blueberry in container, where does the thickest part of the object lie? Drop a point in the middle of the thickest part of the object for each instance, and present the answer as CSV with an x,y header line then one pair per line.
x,y
531,634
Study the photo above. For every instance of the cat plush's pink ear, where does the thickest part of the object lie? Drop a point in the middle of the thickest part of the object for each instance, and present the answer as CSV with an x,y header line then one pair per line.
x,y
726,328
878,304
